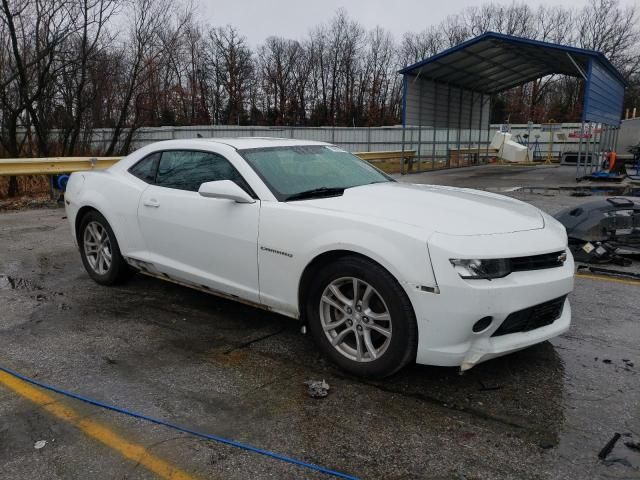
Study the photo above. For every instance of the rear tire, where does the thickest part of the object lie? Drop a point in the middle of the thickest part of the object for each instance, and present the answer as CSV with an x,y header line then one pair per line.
x,y
361,318
100,252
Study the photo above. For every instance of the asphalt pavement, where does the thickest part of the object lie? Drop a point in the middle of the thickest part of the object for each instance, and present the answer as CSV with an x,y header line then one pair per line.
x,y
233,371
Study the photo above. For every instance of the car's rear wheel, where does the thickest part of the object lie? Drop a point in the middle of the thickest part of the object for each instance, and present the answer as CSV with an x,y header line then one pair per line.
x,y
361,317
100,251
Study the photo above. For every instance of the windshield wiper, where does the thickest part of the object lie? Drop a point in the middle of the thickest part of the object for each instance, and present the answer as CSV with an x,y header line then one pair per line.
x,y
316,192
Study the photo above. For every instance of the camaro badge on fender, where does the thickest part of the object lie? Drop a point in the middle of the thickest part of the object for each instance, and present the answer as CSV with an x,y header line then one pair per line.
x,y
279,252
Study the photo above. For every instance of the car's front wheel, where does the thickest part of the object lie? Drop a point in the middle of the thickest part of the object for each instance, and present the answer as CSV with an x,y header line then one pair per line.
x,y
100,250
361,317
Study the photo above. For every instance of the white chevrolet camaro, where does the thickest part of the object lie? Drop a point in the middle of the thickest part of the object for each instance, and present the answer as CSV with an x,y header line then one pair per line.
x,y
381,273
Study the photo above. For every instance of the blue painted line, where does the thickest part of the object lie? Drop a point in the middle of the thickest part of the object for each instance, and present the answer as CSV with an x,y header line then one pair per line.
x,y
195,433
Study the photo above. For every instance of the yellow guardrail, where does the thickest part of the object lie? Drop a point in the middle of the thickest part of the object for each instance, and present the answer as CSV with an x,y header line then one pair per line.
x,y
386,155
53,165
58,165
391,161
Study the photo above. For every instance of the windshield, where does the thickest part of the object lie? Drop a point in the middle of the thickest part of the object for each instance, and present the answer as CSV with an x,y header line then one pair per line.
x,y
316,170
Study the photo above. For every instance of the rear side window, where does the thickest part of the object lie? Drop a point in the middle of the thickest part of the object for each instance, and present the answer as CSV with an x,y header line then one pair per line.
x,y
146,168
187,170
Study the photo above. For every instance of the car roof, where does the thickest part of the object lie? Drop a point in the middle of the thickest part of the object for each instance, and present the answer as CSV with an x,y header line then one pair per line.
x,y
238,143
241,143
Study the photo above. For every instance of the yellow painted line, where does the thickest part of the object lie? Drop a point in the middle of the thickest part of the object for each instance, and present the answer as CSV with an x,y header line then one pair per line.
x,y
95,430
608,279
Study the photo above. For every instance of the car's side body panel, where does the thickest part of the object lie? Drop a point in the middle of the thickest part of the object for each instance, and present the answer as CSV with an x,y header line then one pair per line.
x,y
206,241
292,235
114,196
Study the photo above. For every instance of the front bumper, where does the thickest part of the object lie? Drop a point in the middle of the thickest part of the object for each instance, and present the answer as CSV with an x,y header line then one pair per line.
x,y
445,320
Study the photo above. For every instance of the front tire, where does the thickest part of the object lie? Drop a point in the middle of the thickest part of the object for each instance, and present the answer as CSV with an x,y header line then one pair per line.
x,y
100,252
361,318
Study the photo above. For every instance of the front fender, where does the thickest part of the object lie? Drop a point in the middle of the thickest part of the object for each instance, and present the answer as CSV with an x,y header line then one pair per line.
x,y
290,239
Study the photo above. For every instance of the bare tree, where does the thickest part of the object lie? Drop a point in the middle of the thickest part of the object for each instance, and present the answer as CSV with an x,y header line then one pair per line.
x,y
277,62
148,19
234,66
36,29
83,49
67,65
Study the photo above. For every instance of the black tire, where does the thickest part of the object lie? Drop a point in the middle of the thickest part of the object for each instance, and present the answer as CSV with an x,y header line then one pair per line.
x,y
402,345
118,271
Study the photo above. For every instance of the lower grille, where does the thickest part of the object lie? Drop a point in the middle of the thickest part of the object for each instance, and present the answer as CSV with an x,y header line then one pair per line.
x,y
531,318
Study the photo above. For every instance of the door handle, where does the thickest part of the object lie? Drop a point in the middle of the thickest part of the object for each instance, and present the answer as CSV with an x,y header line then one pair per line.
x,y
151,203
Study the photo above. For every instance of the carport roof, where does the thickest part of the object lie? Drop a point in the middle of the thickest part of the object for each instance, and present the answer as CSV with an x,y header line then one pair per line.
x,y
494,62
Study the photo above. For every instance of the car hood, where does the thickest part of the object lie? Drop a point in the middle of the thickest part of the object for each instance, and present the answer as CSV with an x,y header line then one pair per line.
x,y
449,210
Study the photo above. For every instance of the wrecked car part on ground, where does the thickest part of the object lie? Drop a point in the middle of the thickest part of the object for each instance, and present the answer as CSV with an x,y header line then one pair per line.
x,y
603,231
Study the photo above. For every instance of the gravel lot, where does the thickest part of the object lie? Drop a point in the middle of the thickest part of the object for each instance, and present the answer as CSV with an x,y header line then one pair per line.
x,y
230,370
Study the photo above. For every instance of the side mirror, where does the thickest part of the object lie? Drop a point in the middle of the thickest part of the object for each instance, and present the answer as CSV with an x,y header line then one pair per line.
x,y
225,189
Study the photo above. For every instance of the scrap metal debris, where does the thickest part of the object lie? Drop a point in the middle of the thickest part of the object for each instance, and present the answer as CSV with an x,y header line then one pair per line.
x,y
610,272
488,388
606,450
603,231
633,445
621,461
39,444
317,389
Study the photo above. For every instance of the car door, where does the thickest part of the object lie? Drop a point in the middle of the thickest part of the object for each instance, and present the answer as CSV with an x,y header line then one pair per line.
x,y
208,242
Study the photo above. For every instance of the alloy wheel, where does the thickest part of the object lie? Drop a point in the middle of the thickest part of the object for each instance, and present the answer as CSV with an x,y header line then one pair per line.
x,y
355,319
97,248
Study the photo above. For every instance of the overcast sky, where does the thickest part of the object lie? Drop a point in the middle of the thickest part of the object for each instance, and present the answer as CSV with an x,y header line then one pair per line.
x,y
259,19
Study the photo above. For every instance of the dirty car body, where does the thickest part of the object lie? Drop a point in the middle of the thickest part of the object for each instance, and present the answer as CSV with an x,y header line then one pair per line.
x,y
381,271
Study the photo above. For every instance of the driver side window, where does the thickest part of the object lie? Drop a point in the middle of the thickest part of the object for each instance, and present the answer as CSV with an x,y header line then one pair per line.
x,y
187,170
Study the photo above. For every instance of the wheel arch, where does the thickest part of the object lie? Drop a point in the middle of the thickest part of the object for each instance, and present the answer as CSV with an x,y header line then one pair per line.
x,y
80,215
325,258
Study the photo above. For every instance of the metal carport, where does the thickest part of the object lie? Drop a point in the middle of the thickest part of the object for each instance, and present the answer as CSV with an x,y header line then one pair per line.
x,y
452,90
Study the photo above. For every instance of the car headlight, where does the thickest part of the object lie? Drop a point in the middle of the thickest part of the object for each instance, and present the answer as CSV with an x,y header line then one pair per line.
x,y
481,269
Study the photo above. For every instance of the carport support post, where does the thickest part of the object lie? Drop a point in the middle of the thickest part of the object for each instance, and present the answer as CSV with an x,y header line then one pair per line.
x,y
598,157
603,134
470,124
420,126
459,123
446,151
615,141
580,139
480,124
594,166
404,129
419,148
612,134
612,129
488,127
587,158
433,124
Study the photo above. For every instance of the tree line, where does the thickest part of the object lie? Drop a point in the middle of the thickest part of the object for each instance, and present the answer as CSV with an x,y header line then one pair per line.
x,y
76,65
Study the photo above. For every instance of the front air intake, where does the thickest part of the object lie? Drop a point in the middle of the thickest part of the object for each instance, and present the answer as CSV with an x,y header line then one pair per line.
x,y
531,318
